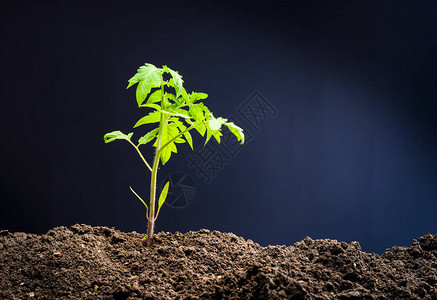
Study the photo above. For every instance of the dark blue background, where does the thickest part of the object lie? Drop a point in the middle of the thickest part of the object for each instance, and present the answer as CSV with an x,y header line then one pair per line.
x,y
350,155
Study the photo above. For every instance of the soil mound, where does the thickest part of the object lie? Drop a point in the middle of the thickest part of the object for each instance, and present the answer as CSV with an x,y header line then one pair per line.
x,y
84,262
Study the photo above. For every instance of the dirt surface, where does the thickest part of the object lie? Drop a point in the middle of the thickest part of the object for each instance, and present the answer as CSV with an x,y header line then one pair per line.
x,y
84,262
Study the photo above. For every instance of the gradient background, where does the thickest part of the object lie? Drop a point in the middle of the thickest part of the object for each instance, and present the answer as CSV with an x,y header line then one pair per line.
x,y
350,155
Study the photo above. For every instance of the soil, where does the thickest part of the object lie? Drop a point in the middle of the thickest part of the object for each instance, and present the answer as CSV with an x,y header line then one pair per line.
x,y
84,262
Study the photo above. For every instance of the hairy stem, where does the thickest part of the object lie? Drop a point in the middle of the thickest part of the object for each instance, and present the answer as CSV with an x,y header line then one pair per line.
x,y
151,217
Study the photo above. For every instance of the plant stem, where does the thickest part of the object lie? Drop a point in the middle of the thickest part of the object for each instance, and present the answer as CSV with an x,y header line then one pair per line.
x,y
141,155
153,176
151,217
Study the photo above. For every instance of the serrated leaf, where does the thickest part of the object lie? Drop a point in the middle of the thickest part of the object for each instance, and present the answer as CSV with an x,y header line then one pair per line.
x,y
208,114
217,134
213,130
154,97
173,131
170,96
189,139
133,80
186,135
116,135
201,128
148,76
177,80
222,120
148,136
150,73
237,131
165,155
208,135
214,124
197,96
142,90
166,152
185,95
175,121
170,83
169,131
163,195
152,117
196,112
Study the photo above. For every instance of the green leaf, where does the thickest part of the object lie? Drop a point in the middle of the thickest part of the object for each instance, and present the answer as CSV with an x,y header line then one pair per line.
x,y
173,131
133,80
177,80
208,135
150,73
155,106
148,136
185,114
167,151
177,113
116,135
169,131
185,95
197,96
201,128
175,120
138,197
187,136
163,195
196,112
154,97
208,114
214,124
237,131
142,90
165,155
170,96
171,83
222,120
152,117
217,134
148,76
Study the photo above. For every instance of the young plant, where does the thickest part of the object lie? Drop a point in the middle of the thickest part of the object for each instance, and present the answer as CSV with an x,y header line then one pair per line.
x,y
175,113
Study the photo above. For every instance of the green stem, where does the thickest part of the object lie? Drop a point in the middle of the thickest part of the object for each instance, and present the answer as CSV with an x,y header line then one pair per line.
x,y
141,155
151,216
153,177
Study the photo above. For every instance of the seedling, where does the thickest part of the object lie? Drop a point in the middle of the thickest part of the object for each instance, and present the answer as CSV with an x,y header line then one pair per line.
x,y
175,113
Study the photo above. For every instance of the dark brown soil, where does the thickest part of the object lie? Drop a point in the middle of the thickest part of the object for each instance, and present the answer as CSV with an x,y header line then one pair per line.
x,y
84,262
